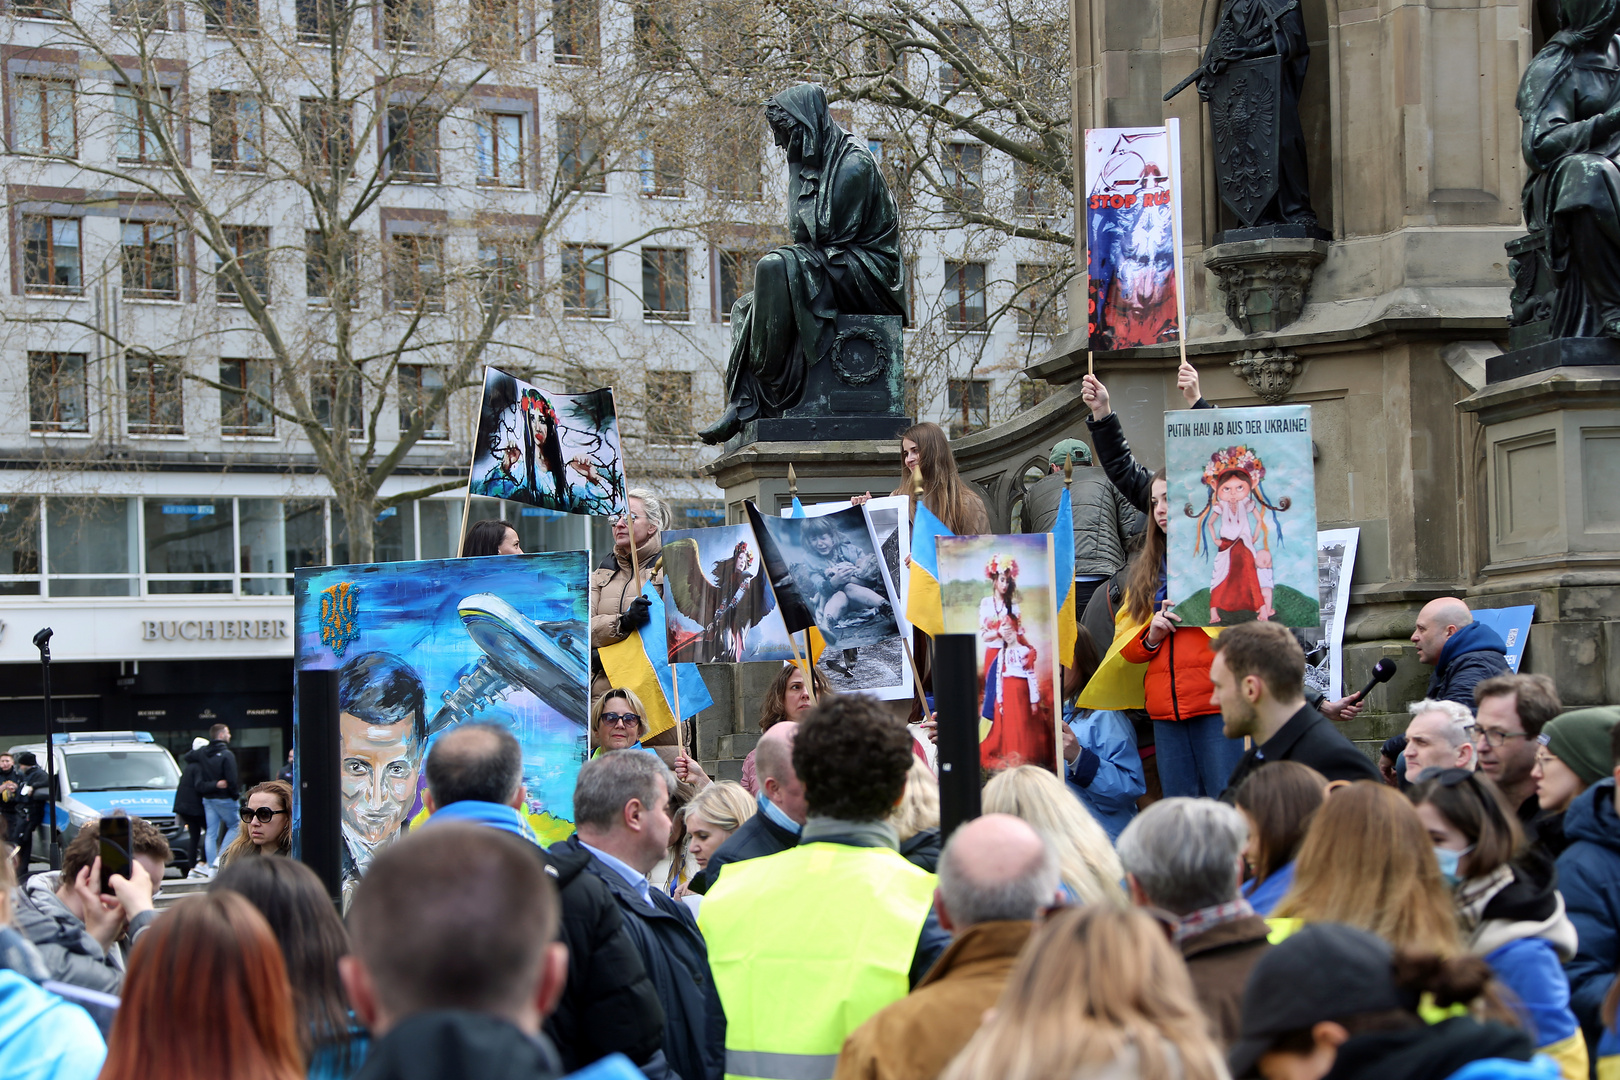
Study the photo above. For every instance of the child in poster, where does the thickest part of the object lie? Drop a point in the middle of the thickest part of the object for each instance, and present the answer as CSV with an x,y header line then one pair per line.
x,y
1246,535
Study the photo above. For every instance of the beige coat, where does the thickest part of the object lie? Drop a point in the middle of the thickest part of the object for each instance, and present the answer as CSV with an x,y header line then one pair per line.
x,y
612,591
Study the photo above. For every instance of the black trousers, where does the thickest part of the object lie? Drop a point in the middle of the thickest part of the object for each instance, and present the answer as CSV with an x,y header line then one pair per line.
x,y
194,826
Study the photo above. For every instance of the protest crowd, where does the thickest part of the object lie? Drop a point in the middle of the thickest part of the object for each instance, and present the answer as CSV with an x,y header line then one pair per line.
x,y
1215,884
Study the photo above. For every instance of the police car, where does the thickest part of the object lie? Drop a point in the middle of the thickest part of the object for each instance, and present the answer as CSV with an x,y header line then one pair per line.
x,y
98,772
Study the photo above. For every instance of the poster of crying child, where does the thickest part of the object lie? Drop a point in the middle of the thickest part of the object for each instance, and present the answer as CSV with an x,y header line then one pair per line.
x,y
1242,534
1001,588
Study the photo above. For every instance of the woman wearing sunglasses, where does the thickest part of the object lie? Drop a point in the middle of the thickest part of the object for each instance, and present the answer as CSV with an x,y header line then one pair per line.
x,y
1508,905
266,823
618,722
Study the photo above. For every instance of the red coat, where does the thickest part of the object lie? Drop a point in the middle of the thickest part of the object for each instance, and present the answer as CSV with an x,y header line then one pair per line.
x,y
1177,683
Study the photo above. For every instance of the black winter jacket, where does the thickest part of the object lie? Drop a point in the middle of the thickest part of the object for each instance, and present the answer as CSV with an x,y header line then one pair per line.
x,y
1469,657
187,798
755,838
1428,1052
922,850
452,1045
1134,480
678,963
1310,739
609,1004
215,762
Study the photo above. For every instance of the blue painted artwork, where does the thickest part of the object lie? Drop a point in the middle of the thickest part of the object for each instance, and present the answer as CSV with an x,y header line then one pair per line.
x,y
1242,528
1512,625
423,646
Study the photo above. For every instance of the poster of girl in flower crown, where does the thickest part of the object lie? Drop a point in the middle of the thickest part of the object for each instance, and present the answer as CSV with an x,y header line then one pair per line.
x,y
1242,537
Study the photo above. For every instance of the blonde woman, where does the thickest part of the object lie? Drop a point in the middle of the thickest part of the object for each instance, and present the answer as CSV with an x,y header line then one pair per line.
x,y
916,819
618,722
266,823
1091,871
711,817
1367,861
1098,994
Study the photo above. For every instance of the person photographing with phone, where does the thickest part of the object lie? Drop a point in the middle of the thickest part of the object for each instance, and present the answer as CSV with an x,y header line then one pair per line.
x,y
84,917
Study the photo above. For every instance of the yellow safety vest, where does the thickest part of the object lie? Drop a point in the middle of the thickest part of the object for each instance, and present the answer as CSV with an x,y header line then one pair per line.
x,y
805,946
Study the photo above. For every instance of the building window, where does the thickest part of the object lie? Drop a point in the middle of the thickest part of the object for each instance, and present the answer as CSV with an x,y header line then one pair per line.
x,y
324,391
964,295
505,273
1031,392
655,37
582,380
661,167
147,14
497,29
42,9
407,24
44,117
151,267
663,284
576,31
58,392
501,155
736,274
579,154
152,390
669,406
330,275
240,16
417,385
188,545
322,20
236,131
91,540
328,133
1040,299
136,143
963,172
250,248
959,36
413,143
585,280
416,272
968,401
51,262
1032,193
245,400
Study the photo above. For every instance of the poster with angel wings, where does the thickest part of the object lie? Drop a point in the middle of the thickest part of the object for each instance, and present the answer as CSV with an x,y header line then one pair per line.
x,y
557,451
718,602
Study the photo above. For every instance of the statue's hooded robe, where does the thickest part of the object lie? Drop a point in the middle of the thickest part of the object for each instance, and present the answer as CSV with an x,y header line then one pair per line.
x,y
845,258
1573,190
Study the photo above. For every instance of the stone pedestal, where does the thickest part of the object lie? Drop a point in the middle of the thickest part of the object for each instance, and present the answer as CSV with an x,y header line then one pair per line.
x,y
1265,278
828,471
1552,462
1553,353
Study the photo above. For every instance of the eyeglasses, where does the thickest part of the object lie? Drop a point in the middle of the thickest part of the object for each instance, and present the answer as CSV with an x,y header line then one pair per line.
x,y
616,518
1497,738
263,813
615,719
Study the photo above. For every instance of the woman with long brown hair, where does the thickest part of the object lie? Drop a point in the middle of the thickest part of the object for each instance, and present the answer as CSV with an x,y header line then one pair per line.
x,y
266,823
1098,991
1368,862
1278,800
217,950
787,698
947,496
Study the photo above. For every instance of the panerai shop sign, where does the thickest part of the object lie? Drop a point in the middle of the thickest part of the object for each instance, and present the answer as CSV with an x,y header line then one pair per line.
x,y
213,629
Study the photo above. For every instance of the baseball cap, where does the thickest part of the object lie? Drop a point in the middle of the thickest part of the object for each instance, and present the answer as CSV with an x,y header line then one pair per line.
x,y
1081,452
1326,971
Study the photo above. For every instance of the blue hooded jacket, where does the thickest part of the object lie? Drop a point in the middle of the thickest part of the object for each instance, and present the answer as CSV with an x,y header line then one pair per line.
x,y
1107,775
1470,656
43,1037
1589,878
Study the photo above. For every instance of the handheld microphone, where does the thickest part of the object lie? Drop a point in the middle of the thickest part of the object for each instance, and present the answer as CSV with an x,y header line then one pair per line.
x,y
1382,671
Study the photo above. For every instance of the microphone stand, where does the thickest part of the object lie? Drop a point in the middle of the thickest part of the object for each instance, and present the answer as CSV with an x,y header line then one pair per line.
x,y
42,641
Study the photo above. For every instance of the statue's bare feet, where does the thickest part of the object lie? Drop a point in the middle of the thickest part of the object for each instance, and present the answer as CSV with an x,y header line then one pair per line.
x,y
722,429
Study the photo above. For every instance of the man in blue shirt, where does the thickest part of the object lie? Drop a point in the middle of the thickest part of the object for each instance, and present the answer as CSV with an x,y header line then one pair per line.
x,y
621,812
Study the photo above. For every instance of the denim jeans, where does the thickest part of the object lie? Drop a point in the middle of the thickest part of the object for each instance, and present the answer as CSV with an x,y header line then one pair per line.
x,y
1195,758
221,815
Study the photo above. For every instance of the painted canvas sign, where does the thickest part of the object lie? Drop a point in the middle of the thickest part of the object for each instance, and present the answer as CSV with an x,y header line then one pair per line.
x,y
718,601
1001,588
1242,535
557,451
1133,237
420,647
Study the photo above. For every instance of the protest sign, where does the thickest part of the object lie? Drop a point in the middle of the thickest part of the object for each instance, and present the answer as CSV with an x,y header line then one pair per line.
x,y
557,451
1133,237
718,598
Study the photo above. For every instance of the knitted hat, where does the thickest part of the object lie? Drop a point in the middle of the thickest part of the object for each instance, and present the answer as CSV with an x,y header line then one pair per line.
x,y
1580,739
1081,452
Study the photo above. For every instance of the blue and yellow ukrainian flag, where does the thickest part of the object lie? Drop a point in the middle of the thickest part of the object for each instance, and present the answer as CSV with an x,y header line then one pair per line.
x,y
641,663
924,606
1063,571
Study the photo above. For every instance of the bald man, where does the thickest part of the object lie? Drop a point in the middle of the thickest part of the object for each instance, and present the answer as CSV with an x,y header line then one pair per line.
x,y
996,876
782,808
1462,652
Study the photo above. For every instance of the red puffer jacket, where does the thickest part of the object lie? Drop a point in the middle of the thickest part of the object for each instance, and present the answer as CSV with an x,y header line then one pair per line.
x,y
1177,683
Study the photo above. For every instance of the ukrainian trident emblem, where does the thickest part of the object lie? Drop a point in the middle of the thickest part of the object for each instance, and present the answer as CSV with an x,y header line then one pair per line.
x,y
339,605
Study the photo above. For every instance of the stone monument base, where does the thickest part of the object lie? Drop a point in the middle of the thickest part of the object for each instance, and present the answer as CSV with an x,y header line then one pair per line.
x,y
1556,353
784,429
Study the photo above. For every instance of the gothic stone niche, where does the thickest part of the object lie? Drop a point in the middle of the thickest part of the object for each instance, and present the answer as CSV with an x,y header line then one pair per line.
x,y
1266,280
1270,373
